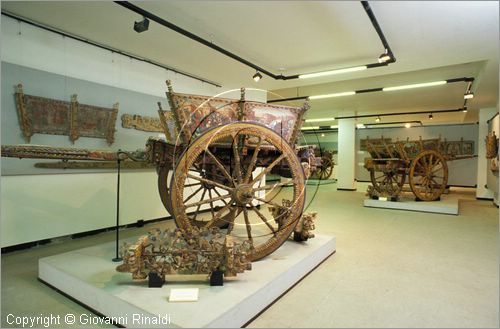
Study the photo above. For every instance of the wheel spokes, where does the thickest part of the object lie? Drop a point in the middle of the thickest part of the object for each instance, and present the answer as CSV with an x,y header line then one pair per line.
x,y
269,202
217,216
230,227
217,192
237,162
218,164
193,194
247,224
269,168
211,200
191,185
199,206
253,161
264,219
211,182
270,187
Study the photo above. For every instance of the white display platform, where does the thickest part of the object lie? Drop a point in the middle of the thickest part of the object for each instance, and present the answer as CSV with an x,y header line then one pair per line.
x,y
88,275
447,205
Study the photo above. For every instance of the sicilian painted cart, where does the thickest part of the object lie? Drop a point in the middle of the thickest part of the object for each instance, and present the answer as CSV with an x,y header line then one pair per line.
x,y
216,155
325,164
424,162
212,163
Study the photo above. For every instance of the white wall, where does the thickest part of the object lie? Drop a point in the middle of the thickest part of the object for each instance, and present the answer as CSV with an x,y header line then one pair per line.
x,y
346,167
37,207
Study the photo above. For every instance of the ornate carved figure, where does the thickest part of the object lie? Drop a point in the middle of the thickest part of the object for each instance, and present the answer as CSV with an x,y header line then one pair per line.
x,y
139,122
303,230
494,165
491,145
305,225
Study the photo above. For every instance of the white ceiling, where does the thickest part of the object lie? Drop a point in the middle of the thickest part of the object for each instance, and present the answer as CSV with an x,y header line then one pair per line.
x,y
431,41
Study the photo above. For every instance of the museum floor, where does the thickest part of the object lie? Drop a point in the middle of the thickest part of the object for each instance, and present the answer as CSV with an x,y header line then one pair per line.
x,y
392,269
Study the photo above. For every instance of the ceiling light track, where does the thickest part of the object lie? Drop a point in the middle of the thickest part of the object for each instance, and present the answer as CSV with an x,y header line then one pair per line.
x,y
377,28
390,58
327,129
105,47
398,113
386,89
369,125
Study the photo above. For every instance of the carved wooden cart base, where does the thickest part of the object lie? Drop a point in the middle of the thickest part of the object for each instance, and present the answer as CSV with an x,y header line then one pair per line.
x,y
88,275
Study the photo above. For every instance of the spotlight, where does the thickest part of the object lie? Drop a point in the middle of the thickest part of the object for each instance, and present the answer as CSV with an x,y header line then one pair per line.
x,y
468,95
322,135
141,26
257,76
385,57
377,119
464,109
407,125
431,116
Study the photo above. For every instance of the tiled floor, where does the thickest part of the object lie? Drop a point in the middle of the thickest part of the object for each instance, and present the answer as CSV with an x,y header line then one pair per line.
x,y
392,268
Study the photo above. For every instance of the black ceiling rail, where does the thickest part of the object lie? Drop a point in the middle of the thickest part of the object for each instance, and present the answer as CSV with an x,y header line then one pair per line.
x,y
368,125
377,28
398,113
105,47
469,80
491,119
258,68
327,129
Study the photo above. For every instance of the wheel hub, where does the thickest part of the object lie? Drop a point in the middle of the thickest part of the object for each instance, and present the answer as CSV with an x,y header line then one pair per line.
x,y
243,194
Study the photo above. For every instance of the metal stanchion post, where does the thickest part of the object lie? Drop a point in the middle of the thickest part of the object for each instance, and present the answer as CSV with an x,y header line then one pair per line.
x,y
118,161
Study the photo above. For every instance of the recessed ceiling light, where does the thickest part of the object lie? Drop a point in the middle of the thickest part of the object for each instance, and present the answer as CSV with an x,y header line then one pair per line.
x,y
407,125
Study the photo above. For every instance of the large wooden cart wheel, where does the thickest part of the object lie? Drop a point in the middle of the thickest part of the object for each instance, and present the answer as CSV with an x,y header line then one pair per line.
x,y
428,175
326,169
391,179
163,187
223,160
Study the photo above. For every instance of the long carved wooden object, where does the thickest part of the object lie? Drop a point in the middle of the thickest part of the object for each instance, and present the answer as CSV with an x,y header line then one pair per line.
x,y
127,164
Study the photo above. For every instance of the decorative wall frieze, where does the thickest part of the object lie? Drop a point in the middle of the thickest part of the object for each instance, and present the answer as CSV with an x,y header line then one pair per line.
x,y
56,117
